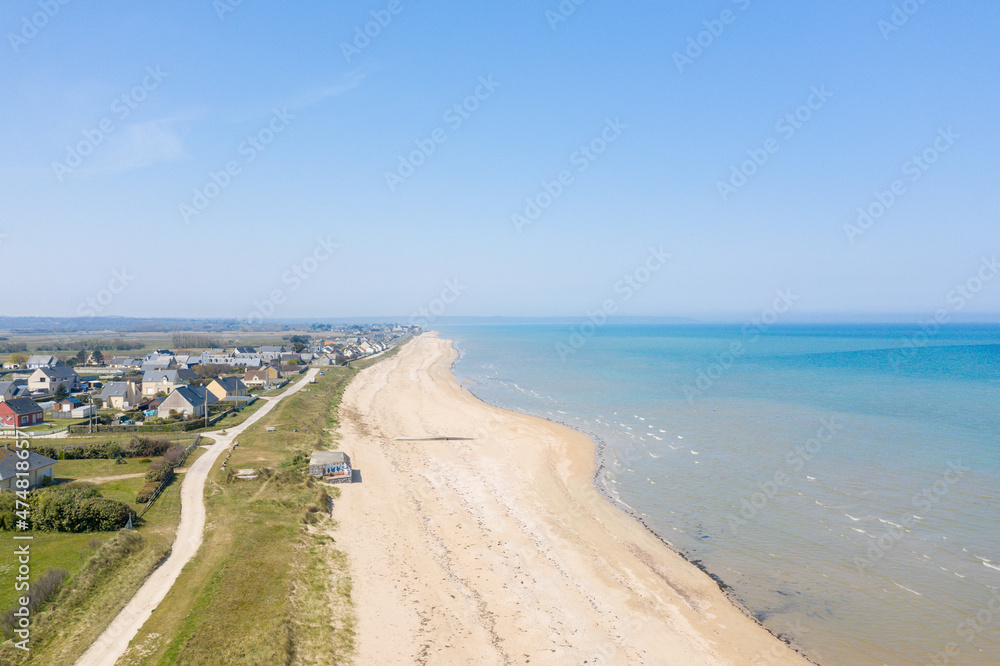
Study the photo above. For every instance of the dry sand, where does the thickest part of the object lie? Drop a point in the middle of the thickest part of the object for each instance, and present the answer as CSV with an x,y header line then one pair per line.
x,y
499,549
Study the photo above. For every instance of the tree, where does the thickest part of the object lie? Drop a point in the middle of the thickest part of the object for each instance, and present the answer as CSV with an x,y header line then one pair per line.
x,y
80,358
97,357
61,393
18,358
297,347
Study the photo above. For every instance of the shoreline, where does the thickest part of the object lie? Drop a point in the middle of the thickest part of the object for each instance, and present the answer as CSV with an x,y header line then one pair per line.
x,y
600,458
500,548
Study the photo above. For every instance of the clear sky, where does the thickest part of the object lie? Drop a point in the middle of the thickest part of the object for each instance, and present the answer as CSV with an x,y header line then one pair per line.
x,y
116,115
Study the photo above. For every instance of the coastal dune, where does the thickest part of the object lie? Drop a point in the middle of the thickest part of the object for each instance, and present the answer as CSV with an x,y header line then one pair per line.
x,y
496,548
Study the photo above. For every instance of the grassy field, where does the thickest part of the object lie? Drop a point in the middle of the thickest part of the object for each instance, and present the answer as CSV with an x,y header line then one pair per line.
x,y
268,585
66,470
104,574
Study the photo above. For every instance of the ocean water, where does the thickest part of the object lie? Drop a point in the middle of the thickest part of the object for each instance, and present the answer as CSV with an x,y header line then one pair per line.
x,y
842,481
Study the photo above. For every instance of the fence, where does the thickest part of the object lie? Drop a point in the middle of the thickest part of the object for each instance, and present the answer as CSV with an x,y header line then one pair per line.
x,y
156,493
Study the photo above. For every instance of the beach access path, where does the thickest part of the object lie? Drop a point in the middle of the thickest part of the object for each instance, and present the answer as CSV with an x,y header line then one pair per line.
x,y
111,644
498,549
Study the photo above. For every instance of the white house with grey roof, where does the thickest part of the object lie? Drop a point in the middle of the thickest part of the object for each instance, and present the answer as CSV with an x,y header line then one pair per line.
x,y
40,468
187,400
36,361
121,395
49,379
165,381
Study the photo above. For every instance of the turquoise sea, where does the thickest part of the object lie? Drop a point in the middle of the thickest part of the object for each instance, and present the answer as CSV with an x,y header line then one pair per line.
x,y
843,481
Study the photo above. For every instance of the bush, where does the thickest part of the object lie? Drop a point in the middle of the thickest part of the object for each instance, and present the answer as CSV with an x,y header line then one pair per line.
x,y
146,447
146,493
39,592
77,507
7,507
175,454
159,471
105,515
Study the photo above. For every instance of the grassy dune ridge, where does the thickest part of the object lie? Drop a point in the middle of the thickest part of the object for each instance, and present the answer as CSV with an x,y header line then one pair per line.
x,y
268,585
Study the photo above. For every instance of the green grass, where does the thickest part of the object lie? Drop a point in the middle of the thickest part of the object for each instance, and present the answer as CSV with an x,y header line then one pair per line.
x,y
239,417
48,551
86,605
82,469
265,586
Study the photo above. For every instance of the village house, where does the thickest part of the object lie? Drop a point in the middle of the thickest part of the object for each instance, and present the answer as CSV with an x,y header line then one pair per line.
x,y
228,388
40,469
121,395
20,413
36,361
125,363
165,381
265,377
13,389
187,400
161,360
272,352
49,379
331,466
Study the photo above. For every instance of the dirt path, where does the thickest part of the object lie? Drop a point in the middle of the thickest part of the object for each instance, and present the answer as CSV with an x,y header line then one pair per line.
x,y
115,640
497,549
122,477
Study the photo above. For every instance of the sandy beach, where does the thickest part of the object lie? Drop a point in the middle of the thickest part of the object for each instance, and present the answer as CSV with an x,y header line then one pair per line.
x,y
496,548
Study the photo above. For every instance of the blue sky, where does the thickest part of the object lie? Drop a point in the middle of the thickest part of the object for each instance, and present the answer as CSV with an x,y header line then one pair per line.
x,y
330,123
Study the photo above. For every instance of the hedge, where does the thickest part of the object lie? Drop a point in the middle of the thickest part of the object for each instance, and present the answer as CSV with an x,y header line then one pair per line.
x,y
146,493
136,447
75,507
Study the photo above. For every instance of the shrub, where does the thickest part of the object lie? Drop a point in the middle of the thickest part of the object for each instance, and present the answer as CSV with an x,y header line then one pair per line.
x,y
159,471
175,454
146,493
146,447
76,509
39,592
105,515
7,506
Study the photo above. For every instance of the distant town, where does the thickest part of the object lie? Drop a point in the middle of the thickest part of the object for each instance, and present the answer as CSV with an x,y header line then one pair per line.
x,y
46,389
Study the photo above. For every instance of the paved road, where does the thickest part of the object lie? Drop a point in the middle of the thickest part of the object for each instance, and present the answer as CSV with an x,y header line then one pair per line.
x,y
112,644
